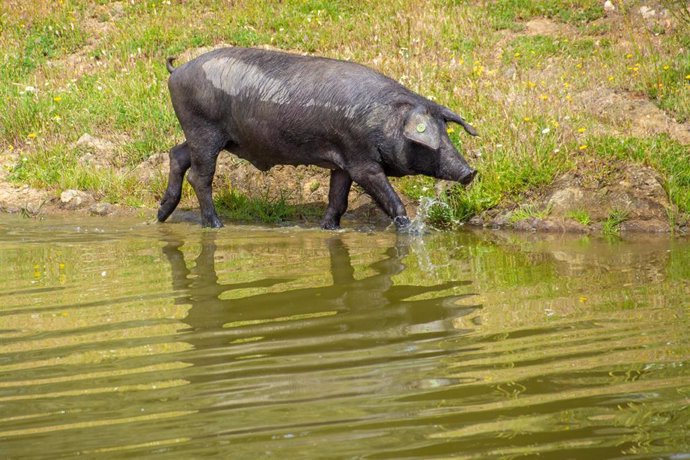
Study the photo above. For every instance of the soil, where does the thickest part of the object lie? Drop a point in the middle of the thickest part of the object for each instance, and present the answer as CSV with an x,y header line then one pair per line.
x,y
633,192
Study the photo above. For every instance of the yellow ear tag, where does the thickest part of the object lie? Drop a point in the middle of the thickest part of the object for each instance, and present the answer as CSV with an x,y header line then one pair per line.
x,y
421,127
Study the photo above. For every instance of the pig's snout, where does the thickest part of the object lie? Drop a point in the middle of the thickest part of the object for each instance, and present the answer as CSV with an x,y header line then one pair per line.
x,y
469,177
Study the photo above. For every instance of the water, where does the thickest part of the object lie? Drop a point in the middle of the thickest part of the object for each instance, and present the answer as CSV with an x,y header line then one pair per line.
x,y
120,339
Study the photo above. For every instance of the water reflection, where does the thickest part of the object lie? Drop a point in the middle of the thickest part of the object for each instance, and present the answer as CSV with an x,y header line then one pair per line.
x,y
166,342
370,311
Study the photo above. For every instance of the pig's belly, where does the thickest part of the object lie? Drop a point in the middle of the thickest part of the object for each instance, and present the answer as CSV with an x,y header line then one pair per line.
x,y
265,157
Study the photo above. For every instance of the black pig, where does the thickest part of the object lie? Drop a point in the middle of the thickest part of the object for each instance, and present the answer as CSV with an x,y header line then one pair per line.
x,y
275,108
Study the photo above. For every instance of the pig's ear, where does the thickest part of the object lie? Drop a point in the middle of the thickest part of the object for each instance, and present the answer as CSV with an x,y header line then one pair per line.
x,y
422,128
449,115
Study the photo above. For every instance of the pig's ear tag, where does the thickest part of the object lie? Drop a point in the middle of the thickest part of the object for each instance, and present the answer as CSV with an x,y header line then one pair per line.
x,y
421,128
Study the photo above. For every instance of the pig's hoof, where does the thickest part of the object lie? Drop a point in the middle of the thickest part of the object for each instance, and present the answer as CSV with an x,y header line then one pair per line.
x,y
213,222
163,213
168,205
401,222
330,225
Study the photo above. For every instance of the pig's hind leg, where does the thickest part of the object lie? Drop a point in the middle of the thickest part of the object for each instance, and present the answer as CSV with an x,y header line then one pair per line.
x,y
203,166
179,164
337,199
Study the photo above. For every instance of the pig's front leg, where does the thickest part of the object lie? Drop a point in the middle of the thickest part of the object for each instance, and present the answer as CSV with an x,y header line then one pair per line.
x,y
337,199
374,181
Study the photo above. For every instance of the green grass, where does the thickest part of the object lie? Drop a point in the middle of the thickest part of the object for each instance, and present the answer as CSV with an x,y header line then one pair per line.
x,y
533,50
98,68
612,225
236,206
507,14
581,216
665,155
529,211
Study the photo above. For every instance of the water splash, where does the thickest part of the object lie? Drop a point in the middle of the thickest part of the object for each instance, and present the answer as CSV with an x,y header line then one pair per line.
x,y
419,225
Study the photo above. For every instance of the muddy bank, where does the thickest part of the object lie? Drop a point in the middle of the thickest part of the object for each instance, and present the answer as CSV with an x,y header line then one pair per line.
x,y
595,197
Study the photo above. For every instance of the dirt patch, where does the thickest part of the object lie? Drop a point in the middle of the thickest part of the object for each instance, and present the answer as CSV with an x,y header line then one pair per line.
x,y
637,111
97,26
585,199
545,26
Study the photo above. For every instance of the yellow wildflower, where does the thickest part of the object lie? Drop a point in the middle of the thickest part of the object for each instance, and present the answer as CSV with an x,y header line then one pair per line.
x,y
31,135
450,130
628,56
581,130
527,119
57,98
583,147
666,67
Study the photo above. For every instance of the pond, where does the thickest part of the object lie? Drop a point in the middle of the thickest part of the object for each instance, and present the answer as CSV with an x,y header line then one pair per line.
x,y
121,339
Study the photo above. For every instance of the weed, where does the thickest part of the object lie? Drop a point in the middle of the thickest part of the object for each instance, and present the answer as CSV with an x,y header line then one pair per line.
x,y
237,206
612,224
667,156
581,216
529,211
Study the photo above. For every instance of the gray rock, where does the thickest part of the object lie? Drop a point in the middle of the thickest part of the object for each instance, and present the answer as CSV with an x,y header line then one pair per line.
x,y
75,199
89,142
565,200
102,209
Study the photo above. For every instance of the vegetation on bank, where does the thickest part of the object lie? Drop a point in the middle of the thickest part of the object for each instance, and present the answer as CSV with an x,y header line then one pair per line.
x,y
524,73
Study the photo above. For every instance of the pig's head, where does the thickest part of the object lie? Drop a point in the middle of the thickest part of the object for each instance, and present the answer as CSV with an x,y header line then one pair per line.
x,y
428,149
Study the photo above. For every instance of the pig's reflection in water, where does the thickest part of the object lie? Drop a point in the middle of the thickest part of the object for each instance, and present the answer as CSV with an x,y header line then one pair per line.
x,y
350,314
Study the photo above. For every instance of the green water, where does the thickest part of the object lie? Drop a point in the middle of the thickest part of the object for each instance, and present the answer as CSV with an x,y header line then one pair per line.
x,y
121,340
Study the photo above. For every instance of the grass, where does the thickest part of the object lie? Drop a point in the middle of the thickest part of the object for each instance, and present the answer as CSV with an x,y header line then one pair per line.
x,y
612,225
581,216
71,67
529,211
668,157
237,206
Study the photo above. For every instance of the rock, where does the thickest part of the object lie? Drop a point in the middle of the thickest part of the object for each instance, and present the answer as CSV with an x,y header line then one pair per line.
x,y
476,221
645,226
102,209
597,190
75,199
33,208
565,200
97,152
89,142
609,7
647,12
527,225
155,166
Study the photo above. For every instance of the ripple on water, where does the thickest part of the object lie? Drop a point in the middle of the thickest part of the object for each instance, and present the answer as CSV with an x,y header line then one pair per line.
x,y
172,341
